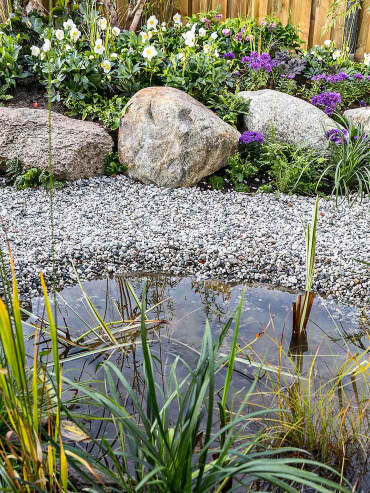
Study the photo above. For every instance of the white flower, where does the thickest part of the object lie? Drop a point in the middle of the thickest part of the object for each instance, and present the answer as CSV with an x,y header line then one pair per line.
x,y
113,55
75,34
177,18
67,48
181,56
187,24
164,24
189,37
367,59
91,57
35,50
214,35
69,24
99,48
327,42
216,54
152,22
202,32
116,30
42,56
163,28
102,23
207,48
47,45
106,66
336,54
59,34
145,36
149,52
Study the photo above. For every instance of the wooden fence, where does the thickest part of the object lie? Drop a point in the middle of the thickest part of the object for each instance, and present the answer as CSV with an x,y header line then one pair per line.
x,y
308,15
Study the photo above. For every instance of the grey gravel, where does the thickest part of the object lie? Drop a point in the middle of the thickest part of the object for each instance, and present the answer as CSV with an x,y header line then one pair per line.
x,y
112,225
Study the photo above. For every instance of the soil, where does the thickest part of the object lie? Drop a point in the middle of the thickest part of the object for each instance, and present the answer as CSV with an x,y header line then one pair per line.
x,y
31,94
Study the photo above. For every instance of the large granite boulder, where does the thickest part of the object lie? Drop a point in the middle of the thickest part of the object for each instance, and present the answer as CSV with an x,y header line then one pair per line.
x,y
170,139
78,147
360,116
294,121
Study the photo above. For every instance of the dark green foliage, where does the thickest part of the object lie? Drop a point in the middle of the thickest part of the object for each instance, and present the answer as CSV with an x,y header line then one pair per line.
x,y
240,169
97,107
293,169
113,166
217,182
32,178
229,106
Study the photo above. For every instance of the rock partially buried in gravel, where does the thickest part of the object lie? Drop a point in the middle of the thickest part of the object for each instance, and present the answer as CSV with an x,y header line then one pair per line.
x,y
170,139
359,116
294,121
78,147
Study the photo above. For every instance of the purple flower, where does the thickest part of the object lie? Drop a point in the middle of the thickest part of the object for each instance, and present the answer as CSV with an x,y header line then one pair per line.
x,y
358,76
226,32
363,103
248,137
329,100
263,23
337,136
204,19
218,16
238,37
291,76
333,79
230,55
283,76
256,61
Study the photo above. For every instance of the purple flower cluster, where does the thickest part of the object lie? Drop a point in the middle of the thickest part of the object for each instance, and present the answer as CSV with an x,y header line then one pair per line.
x,y
256,61
230,55
337,136
248,137
333,79
358,76
329,100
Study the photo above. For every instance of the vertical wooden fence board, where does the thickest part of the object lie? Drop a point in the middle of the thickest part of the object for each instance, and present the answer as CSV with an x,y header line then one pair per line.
x,y
320,11
338,29
121,11
183,6
300,16
363,37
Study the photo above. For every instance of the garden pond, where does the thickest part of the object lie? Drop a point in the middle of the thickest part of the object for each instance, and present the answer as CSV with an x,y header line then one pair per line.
x,y
178,309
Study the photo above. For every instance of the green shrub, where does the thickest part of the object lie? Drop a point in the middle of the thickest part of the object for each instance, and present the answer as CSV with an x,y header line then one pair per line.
x,y
217,182
32,178
10,68
240,170
113,166
293,169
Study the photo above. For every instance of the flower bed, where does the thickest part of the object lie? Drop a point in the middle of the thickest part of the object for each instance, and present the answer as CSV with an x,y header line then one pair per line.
x,y
95,68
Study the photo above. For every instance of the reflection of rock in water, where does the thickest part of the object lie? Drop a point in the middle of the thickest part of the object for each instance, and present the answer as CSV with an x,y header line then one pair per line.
x,y
26,305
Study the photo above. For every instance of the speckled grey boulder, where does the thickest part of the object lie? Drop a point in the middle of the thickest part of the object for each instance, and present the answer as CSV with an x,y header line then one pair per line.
x,y
295,121
359,116
170,139
78,147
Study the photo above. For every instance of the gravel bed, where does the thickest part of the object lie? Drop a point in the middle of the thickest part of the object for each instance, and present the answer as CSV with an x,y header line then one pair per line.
x,y
112,225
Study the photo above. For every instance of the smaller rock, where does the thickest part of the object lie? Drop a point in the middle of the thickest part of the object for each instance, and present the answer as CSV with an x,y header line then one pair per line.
x,y
359,116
